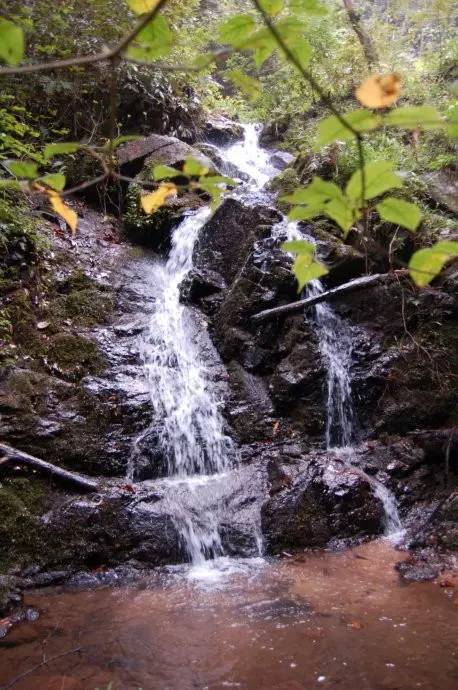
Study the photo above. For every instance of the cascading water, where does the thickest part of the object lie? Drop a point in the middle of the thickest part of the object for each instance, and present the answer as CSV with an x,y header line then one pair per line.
x,y
192,435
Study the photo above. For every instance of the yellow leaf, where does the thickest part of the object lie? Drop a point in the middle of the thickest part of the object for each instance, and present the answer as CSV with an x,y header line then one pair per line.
x,y
151,202
67,213
379,91
142,6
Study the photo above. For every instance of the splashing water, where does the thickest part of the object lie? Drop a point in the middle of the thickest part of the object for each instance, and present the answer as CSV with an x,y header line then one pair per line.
x,y
192,435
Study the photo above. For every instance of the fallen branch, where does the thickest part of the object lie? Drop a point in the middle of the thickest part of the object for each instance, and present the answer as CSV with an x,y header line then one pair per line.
x,y
352,285
21,676
10,455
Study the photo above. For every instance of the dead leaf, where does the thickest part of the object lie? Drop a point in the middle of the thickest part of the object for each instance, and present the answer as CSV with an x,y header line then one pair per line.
x,y
153,201
356,625
275,428
379,91
41,325
67,213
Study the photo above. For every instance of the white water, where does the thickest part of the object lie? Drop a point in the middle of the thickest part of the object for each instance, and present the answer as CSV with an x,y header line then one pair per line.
x,y
198,450
192,436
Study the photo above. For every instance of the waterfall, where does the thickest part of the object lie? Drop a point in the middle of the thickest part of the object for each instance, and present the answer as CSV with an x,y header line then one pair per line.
x,y
192,435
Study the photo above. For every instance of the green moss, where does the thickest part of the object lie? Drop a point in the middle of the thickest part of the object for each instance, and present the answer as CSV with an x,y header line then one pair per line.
x,y
75,356
86,307
22,501
285,182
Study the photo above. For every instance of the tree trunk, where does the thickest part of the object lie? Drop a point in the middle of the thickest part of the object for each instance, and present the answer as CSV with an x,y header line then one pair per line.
x,y
10,455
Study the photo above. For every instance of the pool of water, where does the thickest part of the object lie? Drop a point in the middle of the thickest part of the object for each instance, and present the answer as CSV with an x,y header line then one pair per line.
x,y
321,620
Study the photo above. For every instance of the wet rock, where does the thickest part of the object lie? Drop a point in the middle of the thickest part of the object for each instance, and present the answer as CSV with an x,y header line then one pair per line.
x,y
224,166
327,500
201,283
273,132
222,131
228,237
281,160
158,149
442,187
417,569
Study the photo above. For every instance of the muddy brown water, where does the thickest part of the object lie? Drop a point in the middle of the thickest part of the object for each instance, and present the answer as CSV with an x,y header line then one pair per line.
x,y
340,620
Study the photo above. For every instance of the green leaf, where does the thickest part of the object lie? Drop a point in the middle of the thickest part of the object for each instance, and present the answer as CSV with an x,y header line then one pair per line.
x,y
305,212
237,29
55,181
399,212
298,247
331,129
318,191
301,49
163,172
193,168
425,264
123,140
342,212
23,169
142,6
452,115
52,150
249,86
272,7
154,41
411,117
215,186
11,42
379,178
10,184
305,269
311,7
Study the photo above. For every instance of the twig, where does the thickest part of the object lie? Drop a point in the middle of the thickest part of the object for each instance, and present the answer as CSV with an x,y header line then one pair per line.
x,y
107,54
316,86
21,676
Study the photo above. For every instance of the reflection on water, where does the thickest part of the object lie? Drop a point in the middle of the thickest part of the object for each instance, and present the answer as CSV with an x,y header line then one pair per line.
x,y
339,620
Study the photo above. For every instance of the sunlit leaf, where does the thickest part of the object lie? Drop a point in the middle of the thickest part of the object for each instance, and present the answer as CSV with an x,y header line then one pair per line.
x,y
64,147
11,42
318,191
426,264
237,29
55,181
310,7
399,212
379,178
142,6
123,140
215,186
154,200
306,269
379,91
411,117
341,212
67,213
272,7
24,169
331,129
162,172
154,41
298,247
193,168
249,86
305,212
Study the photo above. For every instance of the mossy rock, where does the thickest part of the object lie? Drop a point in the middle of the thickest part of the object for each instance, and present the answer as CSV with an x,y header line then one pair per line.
x,y
86,307
74,356
154,230
284,183
22,502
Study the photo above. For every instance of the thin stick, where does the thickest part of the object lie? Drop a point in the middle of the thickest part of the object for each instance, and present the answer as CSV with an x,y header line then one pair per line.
x,y
16,680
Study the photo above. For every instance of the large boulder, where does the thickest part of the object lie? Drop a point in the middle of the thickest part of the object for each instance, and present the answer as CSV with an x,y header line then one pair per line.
x,y
222,131
442,187
328,500
158,149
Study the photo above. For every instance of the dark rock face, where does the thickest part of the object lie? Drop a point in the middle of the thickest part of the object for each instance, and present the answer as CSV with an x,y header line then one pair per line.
x,y
327,500
222,131
281,160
